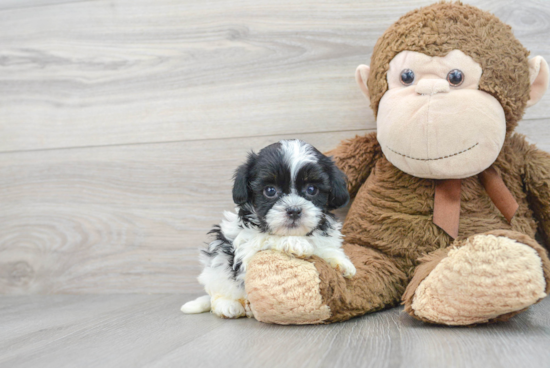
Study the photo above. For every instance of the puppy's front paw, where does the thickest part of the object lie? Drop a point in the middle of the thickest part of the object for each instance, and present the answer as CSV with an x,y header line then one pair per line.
x,y
296,246
227,308
301,250
345,266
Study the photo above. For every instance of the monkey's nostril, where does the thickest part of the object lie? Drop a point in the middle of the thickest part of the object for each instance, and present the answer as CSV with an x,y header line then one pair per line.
x,y
294,212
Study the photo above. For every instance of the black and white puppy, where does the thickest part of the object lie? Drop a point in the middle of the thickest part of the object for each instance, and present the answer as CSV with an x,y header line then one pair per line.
x,y
283,196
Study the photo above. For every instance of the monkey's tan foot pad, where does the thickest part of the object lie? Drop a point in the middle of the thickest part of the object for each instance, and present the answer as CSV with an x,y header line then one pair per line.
x,y
284,290
488,278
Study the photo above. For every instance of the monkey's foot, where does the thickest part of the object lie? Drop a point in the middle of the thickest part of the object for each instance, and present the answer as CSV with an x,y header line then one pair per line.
x,y
483,278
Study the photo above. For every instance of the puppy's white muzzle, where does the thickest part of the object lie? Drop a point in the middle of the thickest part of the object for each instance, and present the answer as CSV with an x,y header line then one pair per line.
x,y
293,215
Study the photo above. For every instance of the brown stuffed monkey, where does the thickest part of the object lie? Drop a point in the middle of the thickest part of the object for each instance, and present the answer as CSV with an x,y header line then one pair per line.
x,y
447,197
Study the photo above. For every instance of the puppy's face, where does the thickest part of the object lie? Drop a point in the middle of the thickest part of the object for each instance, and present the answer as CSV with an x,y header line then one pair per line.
x,y
290,186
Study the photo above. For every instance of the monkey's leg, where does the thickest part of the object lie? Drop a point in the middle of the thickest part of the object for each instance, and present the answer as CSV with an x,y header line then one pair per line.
x,y
483,278
286,290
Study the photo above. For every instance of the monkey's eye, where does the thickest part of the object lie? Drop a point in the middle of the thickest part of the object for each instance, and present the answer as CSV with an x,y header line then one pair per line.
x,y
407,77
270,192
312,190
455,77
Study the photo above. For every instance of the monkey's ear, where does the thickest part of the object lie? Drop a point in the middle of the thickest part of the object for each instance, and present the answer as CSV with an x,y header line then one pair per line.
x,y
538,76
242,179
361,76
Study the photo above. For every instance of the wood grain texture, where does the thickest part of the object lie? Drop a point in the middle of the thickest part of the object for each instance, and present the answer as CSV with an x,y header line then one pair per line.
x,y
96,73
121,122
117,219
149,331
18,4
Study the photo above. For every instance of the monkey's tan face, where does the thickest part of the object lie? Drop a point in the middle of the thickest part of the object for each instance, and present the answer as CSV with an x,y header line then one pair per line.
x,y
434,122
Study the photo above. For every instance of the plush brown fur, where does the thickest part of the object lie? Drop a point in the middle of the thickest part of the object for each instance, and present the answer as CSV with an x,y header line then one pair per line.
x,y
440,28
378,284
392,212
389,231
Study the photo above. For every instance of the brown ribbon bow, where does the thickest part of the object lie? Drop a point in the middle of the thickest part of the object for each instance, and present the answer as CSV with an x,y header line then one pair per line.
x,y
447,200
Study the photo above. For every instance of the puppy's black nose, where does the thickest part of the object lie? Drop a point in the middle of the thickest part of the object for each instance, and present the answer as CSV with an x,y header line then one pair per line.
x,y
294,212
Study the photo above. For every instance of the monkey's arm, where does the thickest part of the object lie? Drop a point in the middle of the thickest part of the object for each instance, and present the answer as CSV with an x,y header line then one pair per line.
x,y
537,184
291,291
356,158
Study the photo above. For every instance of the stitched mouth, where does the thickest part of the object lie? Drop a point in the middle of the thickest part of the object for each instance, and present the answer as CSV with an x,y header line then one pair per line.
x,y
433,159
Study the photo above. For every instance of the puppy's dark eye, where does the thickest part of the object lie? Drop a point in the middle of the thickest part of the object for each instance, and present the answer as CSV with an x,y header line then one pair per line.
x,y
455,77
270,192
312,190
407,77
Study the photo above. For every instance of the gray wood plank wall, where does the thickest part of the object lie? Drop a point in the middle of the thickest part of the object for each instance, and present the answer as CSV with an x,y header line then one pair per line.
x,y
121,122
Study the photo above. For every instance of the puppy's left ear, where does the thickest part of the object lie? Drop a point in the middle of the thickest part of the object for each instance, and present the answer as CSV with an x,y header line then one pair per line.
x,y
241,191
339,195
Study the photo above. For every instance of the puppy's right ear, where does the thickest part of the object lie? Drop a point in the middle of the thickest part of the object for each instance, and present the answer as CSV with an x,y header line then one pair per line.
x,y
241,190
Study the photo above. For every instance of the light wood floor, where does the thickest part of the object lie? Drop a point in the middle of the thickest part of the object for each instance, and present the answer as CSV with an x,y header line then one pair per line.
x,y
149,331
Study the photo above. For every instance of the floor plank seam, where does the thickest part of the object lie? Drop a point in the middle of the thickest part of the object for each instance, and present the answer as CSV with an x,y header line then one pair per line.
x,y
15,8
186,140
